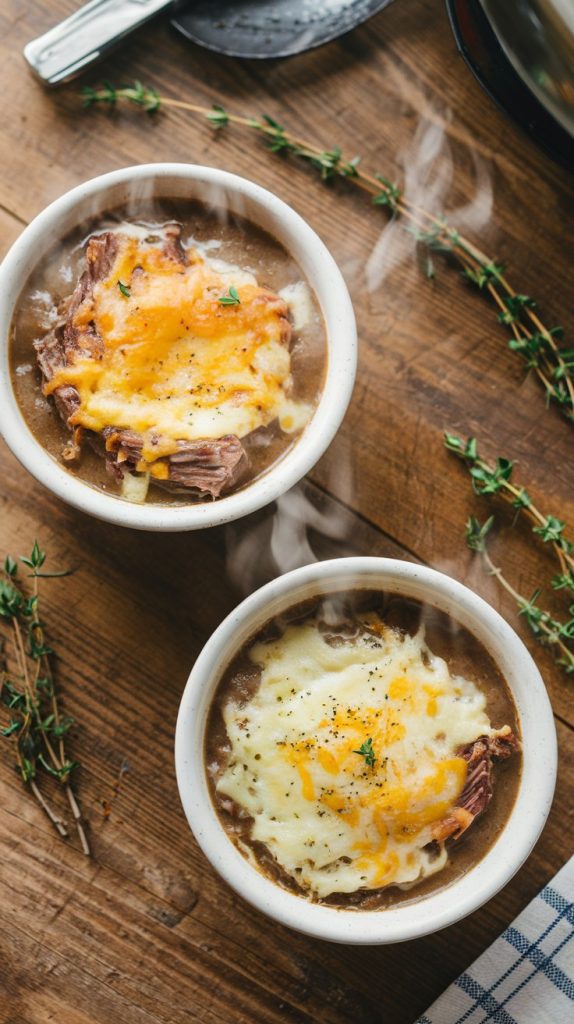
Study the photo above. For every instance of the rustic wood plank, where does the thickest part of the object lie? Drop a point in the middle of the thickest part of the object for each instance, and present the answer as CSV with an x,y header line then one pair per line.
x,y
146,933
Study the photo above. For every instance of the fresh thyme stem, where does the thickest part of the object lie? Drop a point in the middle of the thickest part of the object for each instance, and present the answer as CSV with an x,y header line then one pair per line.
x,y
531,339
495,478
491,478
522,603
36,726
547,629
54,818
77,818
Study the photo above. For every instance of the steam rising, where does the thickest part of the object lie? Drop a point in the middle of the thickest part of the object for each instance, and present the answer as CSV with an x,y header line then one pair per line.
x,y
296,516
428,169
294,531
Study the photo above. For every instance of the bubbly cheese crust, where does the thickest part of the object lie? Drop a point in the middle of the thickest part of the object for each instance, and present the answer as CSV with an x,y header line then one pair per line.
x,y
177,363
333,820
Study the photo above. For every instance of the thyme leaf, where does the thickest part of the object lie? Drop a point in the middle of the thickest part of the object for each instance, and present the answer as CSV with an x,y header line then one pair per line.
x,y
513,307
231,299
217,116
390,195
366,751
476,533
484,274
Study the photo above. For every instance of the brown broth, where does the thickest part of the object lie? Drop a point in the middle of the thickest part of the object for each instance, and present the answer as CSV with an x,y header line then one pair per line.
x,y
465,656
225,236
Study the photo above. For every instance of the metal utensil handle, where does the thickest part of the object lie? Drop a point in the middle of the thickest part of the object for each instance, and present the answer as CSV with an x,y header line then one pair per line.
x,y
84,37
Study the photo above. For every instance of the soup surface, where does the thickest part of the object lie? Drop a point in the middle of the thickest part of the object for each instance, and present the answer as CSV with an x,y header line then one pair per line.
x,y
363,750
182,349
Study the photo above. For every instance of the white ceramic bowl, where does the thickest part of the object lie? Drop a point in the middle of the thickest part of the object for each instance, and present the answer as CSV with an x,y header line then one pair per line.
x,y
502,859
264,209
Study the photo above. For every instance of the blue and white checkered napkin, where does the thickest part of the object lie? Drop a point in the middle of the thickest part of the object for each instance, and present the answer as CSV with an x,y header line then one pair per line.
x,y
527,975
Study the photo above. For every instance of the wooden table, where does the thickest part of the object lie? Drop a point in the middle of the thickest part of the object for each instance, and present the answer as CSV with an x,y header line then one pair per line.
x,y
145,932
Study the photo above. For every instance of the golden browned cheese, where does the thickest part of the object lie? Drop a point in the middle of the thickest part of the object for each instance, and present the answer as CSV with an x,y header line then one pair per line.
x,y
172,361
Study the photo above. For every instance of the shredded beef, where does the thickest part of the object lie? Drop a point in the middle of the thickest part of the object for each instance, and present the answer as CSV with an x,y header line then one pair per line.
x,y
173,246
208,466
477,792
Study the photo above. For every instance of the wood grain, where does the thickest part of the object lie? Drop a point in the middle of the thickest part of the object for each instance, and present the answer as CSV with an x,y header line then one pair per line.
x,y
145,932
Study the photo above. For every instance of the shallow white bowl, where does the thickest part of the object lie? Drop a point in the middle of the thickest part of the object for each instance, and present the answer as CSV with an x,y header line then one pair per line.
x,y
216,187
502,859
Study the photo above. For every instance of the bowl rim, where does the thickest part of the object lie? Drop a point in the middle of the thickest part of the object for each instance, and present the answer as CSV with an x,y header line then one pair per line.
x,y
341,345
502,859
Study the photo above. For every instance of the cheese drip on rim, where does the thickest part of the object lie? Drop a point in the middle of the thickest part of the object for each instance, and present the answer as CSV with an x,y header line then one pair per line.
x,y
177,363
336,819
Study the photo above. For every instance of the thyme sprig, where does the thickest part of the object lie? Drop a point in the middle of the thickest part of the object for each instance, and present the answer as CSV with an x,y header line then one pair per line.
x,y
366,750
489,478
35,724
231,299
545,627
531,339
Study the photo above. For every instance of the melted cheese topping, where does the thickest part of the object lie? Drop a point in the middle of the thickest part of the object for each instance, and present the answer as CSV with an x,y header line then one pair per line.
x,y
331,820
177,363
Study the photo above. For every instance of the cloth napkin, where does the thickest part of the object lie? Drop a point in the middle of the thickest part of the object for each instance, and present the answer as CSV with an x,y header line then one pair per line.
x,y
527,975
